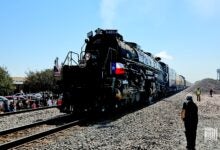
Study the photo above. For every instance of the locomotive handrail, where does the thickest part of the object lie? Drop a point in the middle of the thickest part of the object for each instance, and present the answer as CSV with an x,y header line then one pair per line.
x,y
144,65
70,59
81,53
110,49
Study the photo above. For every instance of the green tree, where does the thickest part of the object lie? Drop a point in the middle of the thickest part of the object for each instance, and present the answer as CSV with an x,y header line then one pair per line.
x,y
6,82
39,81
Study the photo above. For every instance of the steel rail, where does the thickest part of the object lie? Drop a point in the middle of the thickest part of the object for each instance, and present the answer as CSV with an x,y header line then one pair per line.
x,y
16,129
26,110
38,135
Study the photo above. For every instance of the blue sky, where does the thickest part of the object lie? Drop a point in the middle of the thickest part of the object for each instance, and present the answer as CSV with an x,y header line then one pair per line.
x,y
186,33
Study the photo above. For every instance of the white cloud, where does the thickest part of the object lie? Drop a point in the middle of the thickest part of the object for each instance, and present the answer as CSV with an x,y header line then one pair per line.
x,y
108,11
126,11
164,55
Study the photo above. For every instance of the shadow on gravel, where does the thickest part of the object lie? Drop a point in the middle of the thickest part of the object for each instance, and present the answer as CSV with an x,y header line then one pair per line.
x,y
103,118
63,120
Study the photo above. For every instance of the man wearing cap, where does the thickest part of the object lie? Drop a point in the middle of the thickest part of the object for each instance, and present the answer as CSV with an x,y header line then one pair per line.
x,y
189,115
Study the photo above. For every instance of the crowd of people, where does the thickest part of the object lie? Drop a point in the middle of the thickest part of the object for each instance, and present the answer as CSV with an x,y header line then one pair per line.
x,y
15,104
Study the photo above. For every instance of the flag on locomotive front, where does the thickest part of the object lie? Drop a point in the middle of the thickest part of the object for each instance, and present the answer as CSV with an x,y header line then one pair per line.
x,y
117,68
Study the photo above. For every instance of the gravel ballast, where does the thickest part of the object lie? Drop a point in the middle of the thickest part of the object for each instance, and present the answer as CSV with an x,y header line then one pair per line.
x,y
16,120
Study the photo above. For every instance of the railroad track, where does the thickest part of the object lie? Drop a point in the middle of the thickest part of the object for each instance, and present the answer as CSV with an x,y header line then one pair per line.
x,y
26,110
17,136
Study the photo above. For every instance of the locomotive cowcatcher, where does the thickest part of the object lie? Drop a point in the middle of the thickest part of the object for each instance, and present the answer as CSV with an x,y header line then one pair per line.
x,y
110,73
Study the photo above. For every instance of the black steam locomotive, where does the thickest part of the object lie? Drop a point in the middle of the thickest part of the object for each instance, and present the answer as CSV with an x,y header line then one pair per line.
x,y
110,73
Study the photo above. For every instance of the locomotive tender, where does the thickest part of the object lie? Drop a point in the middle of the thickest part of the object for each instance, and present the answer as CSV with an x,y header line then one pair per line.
x,y
112,73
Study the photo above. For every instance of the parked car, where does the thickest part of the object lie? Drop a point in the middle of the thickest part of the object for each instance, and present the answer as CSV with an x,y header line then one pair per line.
x,y
19,96
38,96
4,104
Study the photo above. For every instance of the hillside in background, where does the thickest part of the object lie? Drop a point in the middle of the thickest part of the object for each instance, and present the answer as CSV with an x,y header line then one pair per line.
x,y
206,85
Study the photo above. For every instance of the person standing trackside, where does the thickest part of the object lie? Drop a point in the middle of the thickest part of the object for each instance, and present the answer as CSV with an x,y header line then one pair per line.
x,y
198,94
189,115
210,92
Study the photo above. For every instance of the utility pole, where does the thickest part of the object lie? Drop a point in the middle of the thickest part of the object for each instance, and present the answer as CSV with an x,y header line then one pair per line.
x,y
218,74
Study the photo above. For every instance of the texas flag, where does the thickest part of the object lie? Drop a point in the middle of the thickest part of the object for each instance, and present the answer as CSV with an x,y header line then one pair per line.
x,y
117,68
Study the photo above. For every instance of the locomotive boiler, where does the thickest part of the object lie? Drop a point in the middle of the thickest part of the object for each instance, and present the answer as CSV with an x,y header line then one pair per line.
x,y
110,73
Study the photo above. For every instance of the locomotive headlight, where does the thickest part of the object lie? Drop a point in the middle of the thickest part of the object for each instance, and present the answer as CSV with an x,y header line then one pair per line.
x,y
87,56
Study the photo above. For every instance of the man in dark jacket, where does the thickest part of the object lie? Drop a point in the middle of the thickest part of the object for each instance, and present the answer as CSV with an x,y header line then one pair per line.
x,y
189,116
